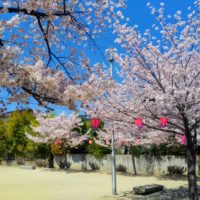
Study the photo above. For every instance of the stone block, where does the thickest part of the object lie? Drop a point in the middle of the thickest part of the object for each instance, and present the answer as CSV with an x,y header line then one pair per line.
x,y
148,189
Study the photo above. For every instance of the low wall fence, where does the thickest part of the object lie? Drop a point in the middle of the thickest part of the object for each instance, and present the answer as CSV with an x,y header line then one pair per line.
x,y
129,163
151,165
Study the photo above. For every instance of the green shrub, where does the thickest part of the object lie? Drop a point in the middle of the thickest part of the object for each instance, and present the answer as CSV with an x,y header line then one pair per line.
x,y
97,151
42,151
81,149
177,150
198,150
159,150
94,166
121,168
136,150
176,170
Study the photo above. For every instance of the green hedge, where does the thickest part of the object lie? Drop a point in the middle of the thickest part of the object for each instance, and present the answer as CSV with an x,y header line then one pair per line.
x,y
160,150
97,150
92,149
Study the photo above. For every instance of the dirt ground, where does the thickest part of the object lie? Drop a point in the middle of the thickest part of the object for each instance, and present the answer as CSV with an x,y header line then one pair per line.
x,y
46,184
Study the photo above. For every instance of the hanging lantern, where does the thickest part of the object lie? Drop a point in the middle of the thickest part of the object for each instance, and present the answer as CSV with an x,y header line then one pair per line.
x,y
95,123
58,142
163,121
138,122
138,142
90,142
182,139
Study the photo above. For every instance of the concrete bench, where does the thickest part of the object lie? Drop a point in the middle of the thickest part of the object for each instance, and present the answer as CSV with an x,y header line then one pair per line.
x,y
27,167
148,189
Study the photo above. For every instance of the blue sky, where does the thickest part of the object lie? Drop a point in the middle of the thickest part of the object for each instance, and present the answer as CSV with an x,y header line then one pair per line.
x,y
139,15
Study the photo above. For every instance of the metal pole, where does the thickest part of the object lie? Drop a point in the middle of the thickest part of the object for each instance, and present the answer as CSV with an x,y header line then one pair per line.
x,y
114,188
111,67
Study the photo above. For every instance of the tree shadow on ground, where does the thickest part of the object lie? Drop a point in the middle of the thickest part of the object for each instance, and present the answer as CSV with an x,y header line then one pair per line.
x,y
175,177
69,170
180,193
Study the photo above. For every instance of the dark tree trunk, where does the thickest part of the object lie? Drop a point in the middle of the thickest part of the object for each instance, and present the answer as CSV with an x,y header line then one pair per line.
x,y
65,159
192,180
51,160
134,166
191,161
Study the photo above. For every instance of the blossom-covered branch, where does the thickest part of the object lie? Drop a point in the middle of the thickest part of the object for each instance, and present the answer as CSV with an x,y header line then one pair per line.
x,y
59,128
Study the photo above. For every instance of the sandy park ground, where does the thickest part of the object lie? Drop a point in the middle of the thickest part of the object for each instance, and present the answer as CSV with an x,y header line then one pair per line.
x,y
46,184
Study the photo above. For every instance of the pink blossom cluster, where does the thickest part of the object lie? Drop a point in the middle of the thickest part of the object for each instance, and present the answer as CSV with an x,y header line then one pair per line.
x,y
58,128
43,45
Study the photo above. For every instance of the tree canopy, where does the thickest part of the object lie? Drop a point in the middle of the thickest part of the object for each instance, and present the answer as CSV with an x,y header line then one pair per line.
x,y
160,78
13,141
43,46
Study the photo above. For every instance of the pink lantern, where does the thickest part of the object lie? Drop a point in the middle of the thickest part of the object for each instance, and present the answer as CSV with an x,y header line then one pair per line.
x,y
95,123
138,122
182,139
163,121
90,142
58,142
138,142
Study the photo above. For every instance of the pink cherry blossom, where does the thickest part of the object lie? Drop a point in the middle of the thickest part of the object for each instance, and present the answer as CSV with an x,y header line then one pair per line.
x,y
43,47
59,129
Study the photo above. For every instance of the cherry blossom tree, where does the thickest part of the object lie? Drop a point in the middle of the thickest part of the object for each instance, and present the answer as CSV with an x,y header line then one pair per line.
x,y
39,38
159,77
58,129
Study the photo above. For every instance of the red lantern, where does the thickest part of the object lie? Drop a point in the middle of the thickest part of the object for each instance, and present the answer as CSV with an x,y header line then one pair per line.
x,y
95,123
163,121
138,122
90,142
